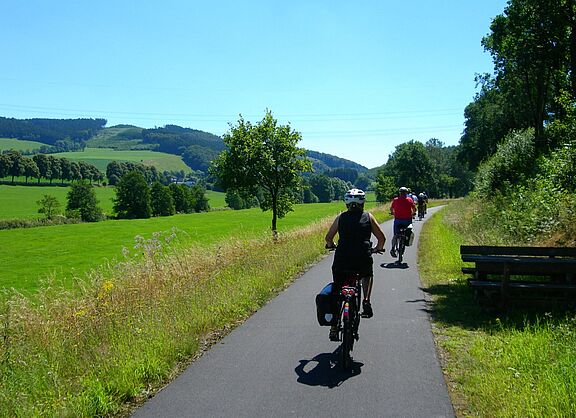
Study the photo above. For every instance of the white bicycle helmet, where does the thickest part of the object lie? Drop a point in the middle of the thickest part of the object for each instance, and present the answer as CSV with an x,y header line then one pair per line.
x,y
354,196
403,190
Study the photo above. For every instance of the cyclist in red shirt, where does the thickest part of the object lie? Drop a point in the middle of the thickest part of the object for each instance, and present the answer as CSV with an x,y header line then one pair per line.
x,y
403,208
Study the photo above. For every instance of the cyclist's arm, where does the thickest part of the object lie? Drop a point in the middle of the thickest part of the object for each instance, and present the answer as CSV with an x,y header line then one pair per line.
x,y
378,233
332,233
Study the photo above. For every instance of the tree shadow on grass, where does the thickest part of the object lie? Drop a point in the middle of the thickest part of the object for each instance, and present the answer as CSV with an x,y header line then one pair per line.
x,y
455,304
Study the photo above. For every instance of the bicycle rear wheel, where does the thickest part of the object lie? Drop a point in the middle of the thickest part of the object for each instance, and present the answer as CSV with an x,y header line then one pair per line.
x,y
401,248
347,340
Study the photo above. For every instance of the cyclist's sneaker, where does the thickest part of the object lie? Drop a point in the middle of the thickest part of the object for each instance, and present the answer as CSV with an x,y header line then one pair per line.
x,y
334,335
393,253
367,309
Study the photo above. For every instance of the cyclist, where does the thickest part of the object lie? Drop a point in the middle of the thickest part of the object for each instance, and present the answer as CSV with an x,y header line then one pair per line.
x,y
414,198
403,209
353,253
421,204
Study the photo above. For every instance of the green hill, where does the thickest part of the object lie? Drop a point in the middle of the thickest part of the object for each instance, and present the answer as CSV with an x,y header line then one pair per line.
x,y
190,149
100,157
120,137
19,145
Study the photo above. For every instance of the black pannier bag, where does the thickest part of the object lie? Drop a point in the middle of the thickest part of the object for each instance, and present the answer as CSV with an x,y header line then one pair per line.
x,y
326,306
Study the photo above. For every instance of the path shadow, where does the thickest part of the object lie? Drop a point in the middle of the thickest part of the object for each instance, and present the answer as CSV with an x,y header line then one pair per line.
x,y
325,370
395,265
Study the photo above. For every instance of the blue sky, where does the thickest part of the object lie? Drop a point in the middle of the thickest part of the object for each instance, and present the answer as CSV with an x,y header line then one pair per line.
x,y
356,79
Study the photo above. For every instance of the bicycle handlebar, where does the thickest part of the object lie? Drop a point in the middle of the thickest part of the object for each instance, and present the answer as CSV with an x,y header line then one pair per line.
x,y
372,250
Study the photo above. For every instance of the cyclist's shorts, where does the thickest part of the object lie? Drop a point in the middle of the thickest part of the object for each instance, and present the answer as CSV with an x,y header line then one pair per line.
x,y
401,223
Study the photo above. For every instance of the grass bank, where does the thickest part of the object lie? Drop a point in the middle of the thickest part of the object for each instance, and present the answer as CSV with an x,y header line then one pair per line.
x,y
518,364
130,328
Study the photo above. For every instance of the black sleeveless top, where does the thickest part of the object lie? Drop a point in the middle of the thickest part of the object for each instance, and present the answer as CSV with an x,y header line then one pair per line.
x,y
353,252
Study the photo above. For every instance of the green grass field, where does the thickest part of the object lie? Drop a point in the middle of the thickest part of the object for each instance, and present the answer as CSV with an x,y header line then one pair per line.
x,y
19,202
65,251
19,145
100,157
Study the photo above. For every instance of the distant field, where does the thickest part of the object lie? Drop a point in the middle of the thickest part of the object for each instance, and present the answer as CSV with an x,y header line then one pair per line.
x,y
18,145
66,251
19,202
100,157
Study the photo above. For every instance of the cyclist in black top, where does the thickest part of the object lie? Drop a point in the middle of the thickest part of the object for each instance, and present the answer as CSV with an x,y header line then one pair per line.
x,y
354,251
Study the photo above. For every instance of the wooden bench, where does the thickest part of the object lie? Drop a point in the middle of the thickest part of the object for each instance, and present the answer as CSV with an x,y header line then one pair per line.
x,y
504,273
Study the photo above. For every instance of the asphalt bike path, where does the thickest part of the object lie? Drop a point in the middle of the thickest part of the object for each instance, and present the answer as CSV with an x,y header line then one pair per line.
x,y
280,362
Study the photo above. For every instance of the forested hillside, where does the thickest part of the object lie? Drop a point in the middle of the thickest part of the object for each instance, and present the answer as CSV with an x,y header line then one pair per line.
x,y
50,131
197,148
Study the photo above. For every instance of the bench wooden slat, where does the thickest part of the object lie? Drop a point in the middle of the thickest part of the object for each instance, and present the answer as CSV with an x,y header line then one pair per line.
x,y
525,251
497,284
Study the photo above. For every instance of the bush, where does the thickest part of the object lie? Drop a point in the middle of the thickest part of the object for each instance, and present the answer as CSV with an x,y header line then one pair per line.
x,y
513,160
32,223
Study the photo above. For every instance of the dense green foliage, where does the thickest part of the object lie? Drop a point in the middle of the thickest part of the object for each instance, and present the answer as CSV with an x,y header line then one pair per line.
x,y
263,158
521,128
133,197
533,47
116,170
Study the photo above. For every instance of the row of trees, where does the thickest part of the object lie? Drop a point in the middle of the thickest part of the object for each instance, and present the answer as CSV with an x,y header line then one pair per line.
x,y
14,164
431,167
314,188
136,199
115,170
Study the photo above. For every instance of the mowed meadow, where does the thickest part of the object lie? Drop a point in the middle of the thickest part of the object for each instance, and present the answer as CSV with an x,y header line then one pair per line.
x,y
64,254
19,202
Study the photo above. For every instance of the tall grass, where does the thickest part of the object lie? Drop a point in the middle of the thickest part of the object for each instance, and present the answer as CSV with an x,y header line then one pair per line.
x,y
521,363
128,330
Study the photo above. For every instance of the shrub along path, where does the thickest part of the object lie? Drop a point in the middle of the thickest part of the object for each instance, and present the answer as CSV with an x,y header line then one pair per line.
x,y
281,363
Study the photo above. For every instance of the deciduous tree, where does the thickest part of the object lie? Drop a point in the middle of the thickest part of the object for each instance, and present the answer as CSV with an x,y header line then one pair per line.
x,y
132,197
82,198
264,156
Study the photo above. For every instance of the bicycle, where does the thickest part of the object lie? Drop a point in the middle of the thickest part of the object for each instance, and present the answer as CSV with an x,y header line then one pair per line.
x,y
421,212
401,238
350,299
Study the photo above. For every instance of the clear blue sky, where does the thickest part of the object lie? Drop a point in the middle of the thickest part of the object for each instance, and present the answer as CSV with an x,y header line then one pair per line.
x,y
356,78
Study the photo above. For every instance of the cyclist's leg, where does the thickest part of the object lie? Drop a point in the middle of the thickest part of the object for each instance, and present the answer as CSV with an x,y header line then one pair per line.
x,y
394,237
366,304
338,280
367,286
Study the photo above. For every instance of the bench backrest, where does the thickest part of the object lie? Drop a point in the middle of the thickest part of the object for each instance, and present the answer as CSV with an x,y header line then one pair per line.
x,y
521,251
